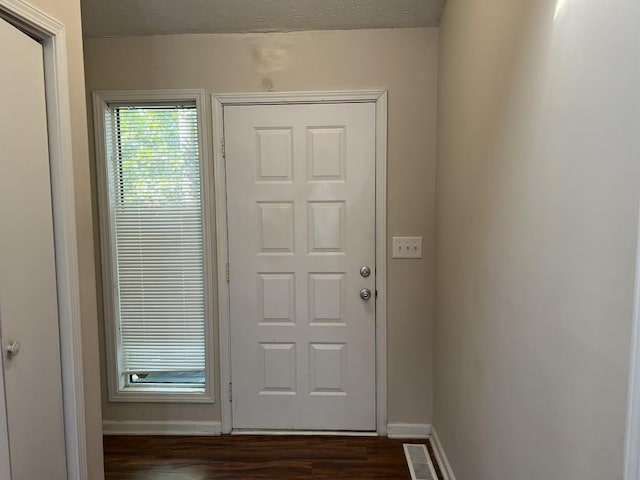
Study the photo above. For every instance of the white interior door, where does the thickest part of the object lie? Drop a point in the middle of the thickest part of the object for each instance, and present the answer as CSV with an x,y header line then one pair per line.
x,y
301,225
28,297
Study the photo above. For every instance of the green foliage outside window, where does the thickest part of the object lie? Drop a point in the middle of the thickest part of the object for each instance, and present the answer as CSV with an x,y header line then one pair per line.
x,y
158,155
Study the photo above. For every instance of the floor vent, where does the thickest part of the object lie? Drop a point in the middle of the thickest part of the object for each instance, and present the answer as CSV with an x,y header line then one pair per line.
x,y
419,462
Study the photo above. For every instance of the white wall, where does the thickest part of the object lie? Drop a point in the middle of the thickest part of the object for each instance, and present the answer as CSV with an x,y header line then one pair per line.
x,y
405,62
538,177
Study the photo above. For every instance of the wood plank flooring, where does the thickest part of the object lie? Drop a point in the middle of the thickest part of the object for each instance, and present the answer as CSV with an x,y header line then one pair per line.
x,y
254,457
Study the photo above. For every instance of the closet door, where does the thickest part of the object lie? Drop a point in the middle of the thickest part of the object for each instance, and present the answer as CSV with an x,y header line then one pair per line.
x,y
28,297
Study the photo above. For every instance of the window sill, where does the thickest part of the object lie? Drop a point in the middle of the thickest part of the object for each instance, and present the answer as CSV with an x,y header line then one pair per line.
x,y
154,394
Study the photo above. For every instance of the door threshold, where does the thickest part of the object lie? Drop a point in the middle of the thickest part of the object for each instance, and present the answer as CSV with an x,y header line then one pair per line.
x,y
331,433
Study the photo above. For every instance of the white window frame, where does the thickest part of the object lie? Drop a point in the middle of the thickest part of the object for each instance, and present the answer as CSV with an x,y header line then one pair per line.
x,y
118,389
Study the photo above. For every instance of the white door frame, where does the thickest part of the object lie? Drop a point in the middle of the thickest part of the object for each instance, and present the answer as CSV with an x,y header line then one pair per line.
x,y
379,98
51,33
632,441
5,460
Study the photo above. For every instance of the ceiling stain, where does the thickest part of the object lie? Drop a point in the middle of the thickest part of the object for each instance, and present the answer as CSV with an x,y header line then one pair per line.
x,y
269,56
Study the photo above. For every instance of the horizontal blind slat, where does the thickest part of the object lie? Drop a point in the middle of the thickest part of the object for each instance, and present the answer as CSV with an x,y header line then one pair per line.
x,y
155,193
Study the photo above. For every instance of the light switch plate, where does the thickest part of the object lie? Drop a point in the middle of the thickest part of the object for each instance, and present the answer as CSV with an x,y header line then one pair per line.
x,y
407,247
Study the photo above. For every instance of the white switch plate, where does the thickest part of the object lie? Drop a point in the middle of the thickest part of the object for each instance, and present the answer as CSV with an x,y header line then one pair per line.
x,y
407,247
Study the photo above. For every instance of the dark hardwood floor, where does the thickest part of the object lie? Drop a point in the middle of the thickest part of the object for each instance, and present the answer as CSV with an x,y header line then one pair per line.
x,y
254,457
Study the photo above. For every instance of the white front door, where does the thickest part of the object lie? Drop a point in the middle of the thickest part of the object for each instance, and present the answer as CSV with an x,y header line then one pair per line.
x,y
28,296
301,225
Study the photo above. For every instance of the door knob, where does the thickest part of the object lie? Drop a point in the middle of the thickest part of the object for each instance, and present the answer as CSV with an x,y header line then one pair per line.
x,y
13,348
365,294
365,271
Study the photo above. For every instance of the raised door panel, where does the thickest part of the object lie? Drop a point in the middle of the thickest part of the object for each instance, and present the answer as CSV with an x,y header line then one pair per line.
x,y
276,298
274,156
327,298
327,227
275,227
326,154
277,365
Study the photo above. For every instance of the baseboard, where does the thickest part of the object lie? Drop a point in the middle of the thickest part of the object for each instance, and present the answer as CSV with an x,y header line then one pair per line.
x,y
115,427
441,456
408,430
304,433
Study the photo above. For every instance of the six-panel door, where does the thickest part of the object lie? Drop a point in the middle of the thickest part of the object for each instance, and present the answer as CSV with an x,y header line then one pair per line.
x,y
301,222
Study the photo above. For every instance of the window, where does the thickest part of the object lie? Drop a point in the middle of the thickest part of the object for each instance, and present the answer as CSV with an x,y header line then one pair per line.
x,y
151,160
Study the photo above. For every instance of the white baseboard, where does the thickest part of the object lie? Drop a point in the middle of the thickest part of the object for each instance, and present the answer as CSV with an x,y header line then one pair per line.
x,y
304,433
128,427
408,430
441,456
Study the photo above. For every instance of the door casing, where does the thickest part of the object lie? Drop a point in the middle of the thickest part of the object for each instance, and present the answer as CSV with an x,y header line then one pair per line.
x,y
379,98
51,33
632,437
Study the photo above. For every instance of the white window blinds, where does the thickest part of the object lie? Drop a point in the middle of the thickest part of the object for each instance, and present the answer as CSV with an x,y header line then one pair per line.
x,y
156,234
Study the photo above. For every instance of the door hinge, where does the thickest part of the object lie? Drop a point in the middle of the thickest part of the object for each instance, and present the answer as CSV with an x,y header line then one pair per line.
x,y
230,393
228,274
224,152
376,294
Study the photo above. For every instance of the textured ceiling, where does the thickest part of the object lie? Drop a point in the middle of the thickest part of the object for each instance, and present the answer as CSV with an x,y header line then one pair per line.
x,y
105,18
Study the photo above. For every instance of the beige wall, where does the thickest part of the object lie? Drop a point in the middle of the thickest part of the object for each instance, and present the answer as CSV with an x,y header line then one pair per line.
x,y
403,61
537,179
68,12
